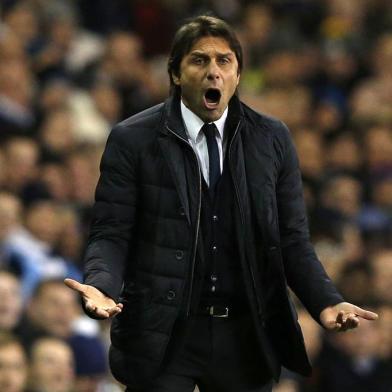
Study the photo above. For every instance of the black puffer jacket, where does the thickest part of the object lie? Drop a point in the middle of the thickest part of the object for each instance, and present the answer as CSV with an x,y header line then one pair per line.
x,y
144,235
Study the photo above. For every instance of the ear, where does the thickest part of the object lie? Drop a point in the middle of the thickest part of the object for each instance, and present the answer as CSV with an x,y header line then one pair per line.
x,y
238,79
176,79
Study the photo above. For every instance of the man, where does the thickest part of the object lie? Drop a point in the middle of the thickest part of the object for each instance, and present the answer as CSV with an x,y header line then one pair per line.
x,y
52,311
11,304
52,366
199,222
13,364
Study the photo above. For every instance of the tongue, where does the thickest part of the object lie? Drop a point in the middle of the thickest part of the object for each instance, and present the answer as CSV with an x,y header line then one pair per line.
x,y
210,104
211,100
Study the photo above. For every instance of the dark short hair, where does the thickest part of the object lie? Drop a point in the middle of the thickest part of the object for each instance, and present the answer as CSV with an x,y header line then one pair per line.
x,y
192,31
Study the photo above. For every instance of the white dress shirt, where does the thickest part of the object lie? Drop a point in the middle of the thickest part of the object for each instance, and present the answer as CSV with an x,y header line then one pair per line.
x,y
198,141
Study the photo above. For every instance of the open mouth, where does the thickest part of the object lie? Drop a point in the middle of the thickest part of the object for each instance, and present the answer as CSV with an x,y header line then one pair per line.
x,y
211,98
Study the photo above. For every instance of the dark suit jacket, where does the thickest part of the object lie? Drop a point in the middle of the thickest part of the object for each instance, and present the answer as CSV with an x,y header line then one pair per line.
x,y
146,226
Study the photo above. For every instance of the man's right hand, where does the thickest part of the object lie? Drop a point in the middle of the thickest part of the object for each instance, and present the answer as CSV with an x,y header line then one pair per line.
x,y
96,302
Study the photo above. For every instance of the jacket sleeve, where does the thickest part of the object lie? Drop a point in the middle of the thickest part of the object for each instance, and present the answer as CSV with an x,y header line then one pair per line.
x,y
113,219
304,272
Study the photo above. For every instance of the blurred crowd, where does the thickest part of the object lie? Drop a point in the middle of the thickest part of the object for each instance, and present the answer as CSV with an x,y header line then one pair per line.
x,y
70,69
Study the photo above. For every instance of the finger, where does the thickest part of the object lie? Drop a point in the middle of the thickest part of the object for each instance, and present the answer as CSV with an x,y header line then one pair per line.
x,y
102,313
75,285
352,322
96,311
113,311
347,316
340,317
336,327
117,308
90,306
344,327
365,314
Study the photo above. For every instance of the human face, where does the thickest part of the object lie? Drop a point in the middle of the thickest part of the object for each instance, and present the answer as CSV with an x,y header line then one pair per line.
x,y
13,368
208,77
52,366
55,309
11,304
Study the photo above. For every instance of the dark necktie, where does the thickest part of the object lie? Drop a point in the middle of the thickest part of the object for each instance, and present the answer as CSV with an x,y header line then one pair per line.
x,y
213,153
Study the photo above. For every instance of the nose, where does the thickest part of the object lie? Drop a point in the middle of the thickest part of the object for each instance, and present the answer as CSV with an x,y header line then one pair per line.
x,y
213,71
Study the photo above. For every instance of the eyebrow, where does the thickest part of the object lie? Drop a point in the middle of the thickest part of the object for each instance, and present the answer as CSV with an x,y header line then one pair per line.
x,y
199,53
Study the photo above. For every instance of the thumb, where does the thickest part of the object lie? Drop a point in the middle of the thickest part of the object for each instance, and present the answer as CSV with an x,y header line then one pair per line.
x,y
75,285
365,314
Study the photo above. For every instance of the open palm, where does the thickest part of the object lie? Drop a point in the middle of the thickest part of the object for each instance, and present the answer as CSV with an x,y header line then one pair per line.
x,y
96,302
344,316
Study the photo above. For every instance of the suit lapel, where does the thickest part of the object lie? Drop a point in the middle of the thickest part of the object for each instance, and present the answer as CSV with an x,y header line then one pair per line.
x,y
174,155
172,141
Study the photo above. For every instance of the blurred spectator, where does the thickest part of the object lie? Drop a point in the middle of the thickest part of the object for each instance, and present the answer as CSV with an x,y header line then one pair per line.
x,y
385,328
66,49
123,64
328,117
371,99
54,178
2,169
54,311
82,174
11,301
42,221
256,33
342,195
354,363
21,156
22,19
52,366
16,93
345,21
309,146
51,312
54,95
343,154
382,194
378,149
381,268
94,112
11,47
71,237
11,257
13,364
292,105
30,249
56,133
353,282
91,364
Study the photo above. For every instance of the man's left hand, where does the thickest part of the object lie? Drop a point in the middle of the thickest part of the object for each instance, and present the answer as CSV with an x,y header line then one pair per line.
x,y
344,316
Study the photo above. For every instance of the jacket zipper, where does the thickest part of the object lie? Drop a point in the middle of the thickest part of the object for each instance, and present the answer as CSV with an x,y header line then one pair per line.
x,y
188,304
242,217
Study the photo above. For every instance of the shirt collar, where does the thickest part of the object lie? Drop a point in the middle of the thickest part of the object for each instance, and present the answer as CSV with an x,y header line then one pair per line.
x,y
193,123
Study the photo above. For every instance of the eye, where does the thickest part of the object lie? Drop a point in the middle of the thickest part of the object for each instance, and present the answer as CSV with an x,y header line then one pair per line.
x,y
198,60
224,60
